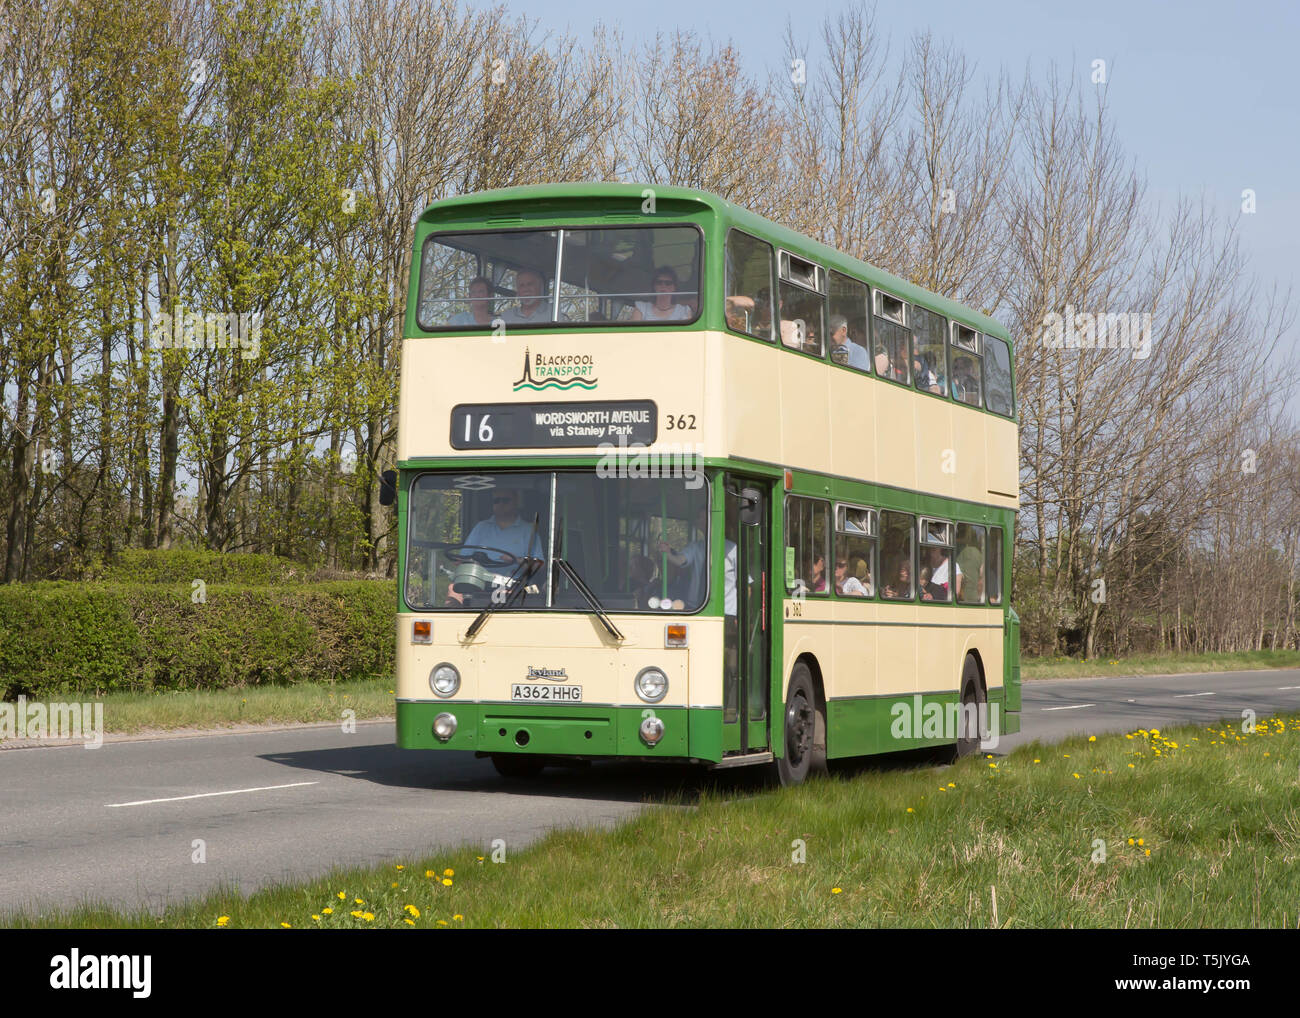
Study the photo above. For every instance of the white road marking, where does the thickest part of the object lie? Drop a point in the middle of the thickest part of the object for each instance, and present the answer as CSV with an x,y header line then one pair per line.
x,y
205,795
1178,696
1077,706
1288,687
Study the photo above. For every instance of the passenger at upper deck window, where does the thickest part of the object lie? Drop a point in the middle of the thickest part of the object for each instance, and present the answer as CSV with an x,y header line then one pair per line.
x,y
843,349
480,296
665,307
530,287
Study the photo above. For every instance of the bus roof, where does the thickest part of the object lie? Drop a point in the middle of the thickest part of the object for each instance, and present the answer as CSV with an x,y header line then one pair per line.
x,y
561,197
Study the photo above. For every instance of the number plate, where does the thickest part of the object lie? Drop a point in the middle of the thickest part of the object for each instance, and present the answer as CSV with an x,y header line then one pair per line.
x,y
544,693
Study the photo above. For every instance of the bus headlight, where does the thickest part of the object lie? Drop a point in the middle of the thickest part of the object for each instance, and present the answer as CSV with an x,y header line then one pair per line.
x,y
444,726
651,684
444,680
652,730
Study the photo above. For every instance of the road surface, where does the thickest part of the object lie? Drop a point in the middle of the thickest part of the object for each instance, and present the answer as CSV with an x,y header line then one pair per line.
x,y
118,824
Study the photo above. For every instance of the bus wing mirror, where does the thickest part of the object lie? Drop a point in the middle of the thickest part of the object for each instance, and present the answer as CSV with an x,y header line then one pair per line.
x,y
388,487
751,511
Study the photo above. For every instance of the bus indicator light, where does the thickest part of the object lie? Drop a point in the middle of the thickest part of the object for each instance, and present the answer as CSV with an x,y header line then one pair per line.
x,y
675,635
789,479
422,631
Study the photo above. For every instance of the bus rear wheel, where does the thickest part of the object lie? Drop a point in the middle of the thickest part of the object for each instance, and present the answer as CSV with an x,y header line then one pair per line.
x,y
805,731
517,765
972,708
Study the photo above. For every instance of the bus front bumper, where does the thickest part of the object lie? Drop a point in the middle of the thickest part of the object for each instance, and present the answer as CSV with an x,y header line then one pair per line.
x,y
557,729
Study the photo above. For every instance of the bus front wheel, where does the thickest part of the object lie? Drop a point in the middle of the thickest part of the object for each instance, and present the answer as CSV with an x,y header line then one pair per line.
x,y
805,730
517,765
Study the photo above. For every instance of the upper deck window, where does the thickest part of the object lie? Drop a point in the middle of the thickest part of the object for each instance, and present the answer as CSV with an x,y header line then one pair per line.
x,y
611,274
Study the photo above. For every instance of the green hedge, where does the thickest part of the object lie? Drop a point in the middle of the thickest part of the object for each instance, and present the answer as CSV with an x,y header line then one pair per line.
x,y
181,565
94,637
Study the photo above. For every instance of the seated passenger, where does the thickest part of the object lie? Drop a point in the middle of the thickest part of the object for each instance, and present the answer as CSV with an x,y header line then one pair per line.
x,y
818,584
843,349
938,583
924,375
533,308
480,306
901,585
965,384
663,308
846,584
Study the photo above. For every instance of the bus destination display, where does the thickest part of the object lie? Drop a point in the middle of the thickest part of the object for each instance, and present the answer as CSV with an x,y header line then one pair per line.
x,y
546,425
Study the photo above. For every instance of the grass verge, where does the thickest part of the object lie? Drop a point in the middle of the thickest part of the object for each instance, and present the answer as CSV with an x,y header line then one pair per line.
x,y
139,713
1157,664
1194,827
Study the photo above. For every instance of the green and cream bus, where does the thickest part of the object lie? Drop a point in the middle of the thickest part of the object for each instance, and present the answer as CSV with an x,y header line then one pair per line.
x,y
675,482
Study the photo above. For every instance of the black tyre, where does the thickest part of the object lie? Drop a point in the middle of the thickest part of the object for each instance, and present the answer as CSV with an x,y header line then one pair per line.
x,y
518,765
805,730
972,710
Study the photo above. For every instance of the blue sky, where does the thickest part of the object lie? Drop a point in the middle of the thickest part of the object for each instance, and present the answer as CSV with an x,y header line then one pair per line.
x,y
1205,96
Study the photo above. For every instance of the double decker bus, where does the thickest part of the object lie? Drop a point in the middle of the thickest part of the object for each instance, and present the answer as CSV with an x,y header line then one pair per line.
x,y
676,482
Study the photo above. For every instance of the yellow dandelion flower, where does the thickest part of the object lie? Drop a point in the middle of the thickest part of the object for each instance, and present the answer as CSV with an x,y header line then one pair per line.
x,y
951,784
837,890
342,895
993,766
409,922
430,873
1076,774
909,809
328,911
415,912
223,920
1092,738
368,916
285,926
458,917
1148,851
393,884
316,917
448,873
1130,841
1139,841
1036,760
446,882
442,922
358,901
401,867
356,915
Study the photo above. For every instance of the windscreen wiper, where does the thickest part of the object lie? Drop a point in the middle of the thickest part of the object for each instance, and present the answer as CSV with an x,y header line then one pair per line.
x,y
517,584
581,587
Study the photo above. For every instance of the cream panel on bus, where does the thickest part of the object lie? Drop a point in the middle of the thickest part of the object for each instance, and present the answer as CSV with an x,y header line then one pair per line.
x,y
937,664
896,649
934,446
806,414
1002,452
438,373
896,438
853,423
752,392
969,461
508,645
853,668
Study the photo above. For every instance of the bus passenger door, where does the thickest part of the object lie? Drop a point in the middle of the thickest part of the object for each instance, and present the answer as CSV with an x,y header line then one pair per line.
x,y
747,626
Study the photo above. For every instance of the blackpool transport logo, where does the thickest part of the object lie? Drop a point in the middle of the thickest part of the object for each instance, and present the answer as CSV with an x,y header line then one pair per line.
x,y
557,371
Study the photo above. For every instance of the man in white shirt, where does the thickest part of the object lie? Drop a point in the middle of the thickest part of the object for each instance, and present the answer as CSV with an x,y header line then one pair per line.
x,y
504,531
533,308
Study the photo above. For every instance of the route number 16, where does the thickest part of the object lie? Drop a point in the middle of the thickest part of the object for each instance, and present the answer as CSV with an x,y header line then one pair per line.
x,y
484,428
